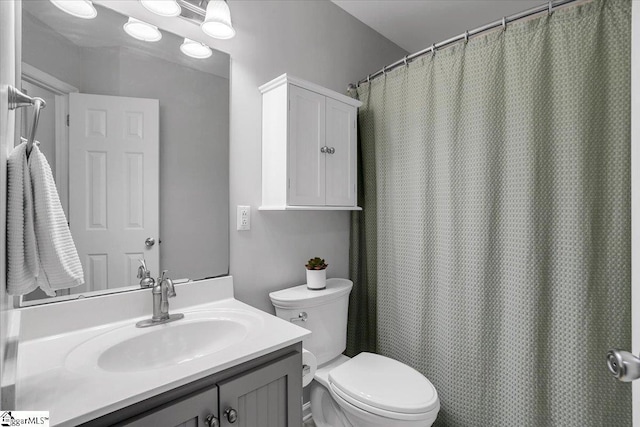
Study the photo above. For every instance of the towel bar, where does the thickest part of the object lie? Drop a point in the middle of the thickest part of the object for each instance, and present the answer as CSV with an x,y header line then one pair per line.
x,y
17,99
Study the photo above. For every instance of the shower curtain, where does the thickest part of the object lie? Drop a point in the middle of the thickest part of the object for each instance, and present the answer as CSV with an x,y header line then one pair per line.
x,y
493,252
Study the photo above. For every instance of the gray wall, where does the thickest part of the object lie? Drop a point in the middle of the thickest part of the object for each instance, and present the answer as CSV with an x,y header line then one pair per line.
x,y
194,129
319,42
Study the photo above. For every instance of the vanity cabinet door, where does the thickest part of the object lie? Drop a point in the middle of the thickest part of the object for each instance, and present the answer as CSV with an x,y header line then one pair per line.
x,y
267,396
194,410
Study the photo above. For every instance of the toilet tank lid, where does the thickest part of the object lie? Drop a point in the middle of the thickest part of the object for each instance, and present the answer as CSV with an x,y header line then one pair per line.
x,y
301,296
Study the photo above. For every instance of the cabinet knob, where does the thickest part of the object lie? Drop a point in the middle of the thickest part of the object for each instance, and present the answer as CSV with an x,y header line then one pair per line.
x,y
211,421
231,415
331,150
324,149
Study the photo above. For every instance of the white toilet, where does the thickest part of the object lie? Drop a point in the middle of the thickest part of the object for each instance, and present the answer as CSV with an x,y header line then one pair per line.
x,y
367,390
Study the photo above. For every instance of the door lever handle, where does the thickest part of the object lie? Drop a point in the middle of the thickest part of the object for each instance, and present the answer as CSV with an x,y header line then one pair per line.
x,y
623,365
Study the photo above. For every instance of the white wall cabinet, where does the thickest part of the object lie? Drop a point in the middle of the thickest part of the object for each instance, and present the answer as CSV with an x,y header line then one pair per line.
x,y
309,138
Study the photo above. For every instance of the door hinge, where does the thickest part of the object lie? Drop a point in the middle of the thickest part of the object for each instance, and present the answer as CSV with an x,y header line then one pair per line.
x,y
67,120
289,104
289,183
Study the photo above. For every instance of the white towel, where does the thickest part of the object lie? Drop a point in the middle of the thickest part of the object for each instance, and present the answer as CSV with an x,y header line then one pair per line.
x,y
44,227
22,255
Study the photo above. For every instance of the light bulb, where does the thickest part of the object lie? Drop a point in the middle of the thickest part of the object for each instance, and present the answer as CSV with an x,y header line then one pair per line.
x,y
79,8
142,31
195,49
217,21
162,7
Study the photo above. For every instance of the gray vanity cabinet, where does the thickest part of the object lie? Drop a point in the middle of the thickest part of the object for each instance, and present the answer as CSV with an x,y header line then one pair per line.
x,y
192,411
262,397
264,392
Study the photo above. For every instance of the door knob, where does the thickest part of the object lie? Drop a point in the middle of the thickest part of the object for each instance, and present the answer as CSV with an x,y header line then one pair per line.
x,y
623,365
211,421
231,415
331,150
150,242
324,149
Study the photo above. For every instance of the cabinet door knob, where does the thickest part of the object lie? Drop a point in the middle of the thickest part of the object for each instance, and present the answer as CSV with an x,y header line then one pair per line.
x,y
331,150
324,149
211,421
231,415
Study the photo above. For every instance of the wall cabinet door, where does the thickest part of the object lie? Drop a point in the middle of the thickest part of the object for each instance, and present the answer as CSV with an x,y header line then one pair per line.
x,y
309,135
341,155
306,140
196,410
267,396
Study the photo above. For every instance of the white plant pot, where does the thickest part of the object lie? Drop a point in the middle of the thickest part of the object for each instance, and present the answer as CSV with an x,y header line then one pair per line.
x,y
316,279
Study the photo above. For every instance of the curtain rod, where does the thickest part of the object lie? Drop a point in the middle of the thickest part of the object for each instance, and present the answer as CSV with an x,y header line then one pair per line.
x,y
549,7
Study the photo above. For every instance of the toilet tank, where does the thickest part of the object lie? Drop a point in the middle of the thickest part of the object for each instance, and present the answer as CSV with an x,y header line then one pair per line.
x,y
326,315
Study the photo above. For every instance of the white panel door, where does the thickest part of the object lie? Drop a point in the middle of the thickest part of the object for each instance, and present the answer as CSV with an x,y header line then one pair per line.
x,y
306,139
341,155
113,186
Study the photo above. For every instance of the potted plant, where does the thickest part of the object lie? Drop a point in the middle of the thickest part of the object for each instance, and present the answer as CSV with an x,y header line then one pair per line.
x,y
316,273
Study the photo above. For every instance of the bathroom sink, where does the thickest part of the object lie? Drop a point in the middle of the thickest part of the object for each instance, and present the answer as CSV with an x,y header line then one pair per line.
x,y
129,349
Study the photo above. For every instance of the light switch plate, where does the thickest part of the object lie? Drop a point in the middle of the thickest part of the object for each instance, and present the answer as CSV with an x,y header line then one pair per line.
x,y
244,218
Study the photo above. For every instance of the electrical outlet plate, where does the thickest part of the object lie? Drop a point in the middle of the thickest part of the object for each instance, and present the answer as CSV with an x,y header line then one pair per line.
x,y
244,218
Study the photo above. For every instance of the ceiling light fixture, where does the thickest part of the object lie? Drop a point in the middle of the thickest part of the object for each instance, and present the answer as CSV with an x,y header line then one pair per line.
x,y
142,31
217,21
79,8
195,49
162,7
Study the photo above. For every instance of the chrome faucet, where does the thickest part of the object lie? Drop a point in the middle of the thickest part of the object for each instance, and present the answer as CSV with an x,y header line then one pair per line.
x,y
144,274
162,290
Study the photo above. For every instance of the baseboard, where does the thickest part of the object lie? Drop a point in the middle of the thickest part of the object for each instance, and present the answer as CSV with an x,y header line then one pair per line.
x,y
306,411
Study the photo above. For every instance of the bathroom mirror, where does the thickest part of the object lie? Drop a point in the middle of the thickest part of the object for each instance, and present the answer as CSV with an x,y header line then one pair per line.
x,y
163,197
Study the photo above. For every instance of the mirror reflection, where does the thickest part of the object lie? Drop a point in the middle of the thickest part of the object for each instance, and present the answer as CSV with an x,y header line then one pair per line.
x,y
136,134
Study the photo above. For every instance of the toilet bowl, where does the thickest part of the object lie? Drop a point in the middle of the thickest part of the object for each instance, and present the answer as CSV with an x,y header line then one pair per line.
x,y
372,390
367,390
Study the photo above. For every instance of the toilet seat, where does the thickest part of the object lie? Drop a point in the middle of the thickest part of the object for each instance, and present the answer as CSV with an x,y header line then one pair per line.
x,y
385,387
345,401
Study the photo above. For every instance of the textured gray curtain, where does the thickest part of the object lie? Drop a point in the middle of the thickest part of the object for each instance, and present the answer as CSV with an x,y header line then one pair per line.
x,y
494,248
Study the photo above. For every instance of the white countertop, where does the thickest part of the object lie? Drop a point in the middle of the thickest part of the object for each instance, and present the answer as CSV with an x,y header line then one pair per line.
x,y
73,396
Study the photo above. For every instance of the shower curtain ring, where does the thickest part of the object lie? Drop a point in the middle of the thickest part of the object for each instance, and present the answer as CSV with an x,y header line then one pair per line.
x,y
433,49
405,60
504,23
368,78
550,7
384,71
466,37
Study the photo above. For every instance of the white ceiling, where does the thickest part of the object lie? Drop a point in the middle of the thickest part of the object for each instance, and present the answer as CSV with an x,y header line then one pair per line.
x,y
417,24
